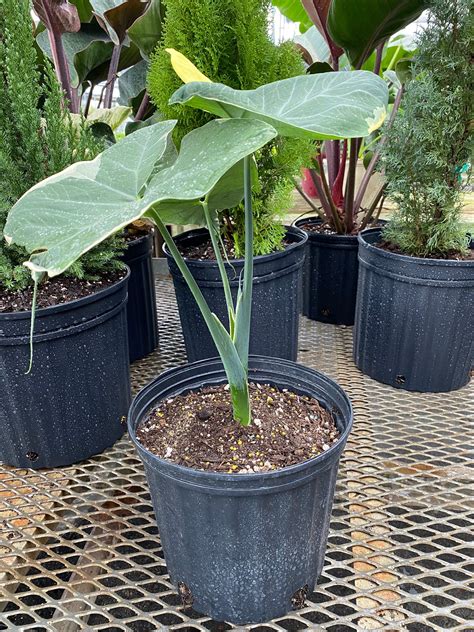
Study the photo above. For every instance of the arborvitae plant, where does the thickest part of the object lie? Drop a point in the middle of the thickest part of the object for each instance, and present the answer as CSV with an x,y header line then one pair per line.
x,y
228,40
37,139
428,144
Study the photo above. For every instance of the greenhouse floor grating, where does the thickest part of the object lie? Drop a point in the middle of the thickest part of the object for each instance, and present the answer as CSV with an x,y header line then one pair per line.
x,y
79,547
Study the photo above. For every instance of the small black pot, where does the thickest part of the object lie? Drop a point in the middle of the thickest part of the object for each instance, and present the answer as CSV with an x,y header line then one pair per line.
x,y
73,403
330,276
244,544
414,324
141,306
276,298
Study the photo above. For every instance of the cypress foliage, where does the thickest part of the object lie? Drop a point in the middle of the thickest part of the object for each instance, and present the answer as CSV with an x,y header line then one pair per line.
x,y
228,40
37,139
429,143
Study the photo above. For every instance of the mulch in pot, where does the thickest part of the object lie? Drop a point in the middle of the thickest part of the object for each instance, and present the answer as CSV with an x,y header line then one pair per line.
x,y
451,255
56,291
197,430
205,252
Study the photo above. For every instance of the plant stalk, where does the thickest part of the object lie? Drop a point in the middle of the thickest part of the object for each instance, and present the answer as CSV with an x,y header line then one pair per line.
x,y
143,107
308,200
62,70
334,212
112,75
350,186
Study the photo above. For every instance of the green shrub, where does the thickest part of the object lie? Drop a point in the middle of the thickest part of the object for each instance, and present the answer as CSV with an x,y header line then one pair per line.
x,y
428,144
228,41
37,139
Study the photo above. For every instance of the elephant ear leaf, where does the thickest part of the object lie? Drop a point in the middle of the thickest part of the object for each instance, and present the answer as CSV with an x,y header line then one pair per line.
x,y
61,218
359,27
321,106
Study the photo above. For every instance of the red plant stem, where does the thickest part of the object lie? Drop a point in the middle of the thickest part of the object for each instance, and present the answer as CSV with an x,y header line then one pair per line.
x,y
322,197
143,107
112,75
350,186
307,199
376,155
336,220
89,100
62,70
370,211
378,58
337,190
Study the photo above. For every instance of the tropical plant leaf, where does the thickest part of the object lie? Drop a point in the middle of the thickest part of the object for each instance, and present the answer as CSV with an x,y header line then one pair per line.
x,y
59,16
314,44
113,117
322,106
85,50
318,11
64,216
132,83
84,9
294,11
359,27
145,32
117,16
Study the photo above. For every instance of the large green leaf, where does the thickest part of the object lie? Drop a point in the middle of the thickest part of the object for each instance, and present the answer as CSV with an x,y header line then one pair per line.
x,y
359,27
294,11
145,32
64,216
322,106
117,16
85,50
132,83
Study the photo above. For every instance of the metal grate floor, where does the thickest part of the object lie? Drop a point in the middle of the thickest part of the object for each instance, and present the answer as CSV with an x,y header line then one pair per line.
x,y
79,547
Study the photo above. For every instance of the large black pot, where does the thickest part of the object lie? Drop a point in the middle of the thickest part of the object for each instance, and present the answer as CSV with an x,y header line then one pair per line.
x,y
330,276
73,403
414,324
244,544
276,298
141,306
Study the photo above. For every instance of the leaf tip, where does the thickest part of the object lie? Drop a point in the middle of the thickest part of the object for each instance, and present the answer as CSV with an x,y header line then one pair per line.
x,y
376,121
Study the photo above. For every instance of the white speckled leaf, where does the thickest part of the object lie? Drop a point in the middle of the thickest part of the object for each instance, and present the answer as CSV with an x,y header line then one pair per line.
x,y
64,216
321,106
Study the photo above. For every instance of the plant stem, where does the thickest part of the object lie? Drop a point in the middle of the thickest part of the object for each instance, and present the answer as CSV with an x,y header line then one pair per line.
x,y
236,373
89,100
112,75
307,199
334,212
378,58
62,70
371,166
213,228
143,107
350,186
322,196
370,211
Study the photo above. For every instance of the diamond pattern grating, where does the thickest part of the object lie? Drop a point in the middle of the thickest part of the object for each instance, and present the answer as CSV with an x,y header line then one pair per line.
x,y
79,547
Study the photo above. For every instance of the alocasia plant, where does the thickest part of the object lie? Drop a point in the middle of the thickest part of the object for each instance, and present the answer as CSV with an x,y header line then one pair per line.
x,y
143,176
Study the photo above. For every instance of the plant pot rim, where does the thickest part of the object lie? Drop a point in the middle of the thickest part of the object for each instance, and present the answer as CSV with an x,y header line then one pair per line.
x,y
61,307
314,219
138,239
224,477
260,258
422,261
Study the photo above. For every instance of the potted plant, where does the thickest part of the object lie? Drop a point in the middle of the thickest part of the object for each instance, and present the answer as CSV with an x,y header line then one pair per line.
x,y
89,44
241,55
414,312
71,403
244,531
345,34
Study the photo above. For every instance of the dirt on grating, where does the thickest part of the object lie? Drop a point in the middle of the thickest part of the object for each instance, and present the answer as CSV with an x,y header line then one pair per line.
x,y
56,291
453,255
197,430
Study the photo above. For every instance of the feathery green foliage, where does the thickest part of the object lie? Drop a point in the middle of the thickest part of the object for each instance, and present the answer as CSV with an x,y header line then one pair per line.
x,y
37,139
430,140
228,41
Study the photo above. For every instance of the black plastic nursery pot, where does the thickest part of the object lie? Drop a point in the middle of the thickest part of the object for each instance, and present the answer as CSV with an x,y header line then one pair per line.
x,y
329,276
414,323
246,547
73,404
276,298
141,306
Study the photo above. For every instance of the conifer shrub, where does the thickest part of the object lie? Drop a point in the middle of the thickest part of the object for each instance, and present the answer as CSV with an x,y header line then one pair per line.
x,y
228,40
38,138
430,142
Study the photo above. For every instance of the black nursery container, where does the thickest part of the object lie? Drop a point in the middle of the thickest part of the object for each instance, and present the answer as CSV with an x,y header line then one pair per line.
x,y
330,276
244,544
276,298
141,306
414,324
74,402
